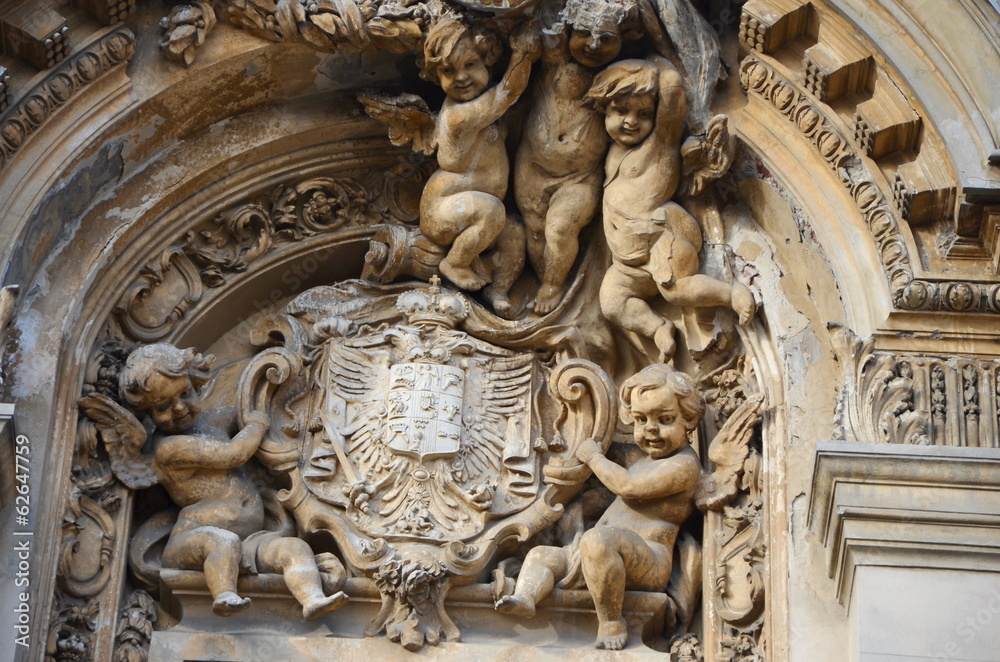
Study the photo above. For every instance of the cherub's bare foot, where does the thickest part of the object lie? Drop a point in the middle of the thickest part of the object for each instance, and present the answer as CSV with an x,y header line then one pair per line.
x,y
318,608
228,603
499,301
516,606
664,339
464,277
546,299
612,635
743,303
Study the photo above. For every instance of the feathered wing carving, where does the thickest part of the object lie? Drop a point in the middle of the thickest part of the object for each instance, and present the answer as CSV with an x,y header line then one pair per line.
x,y
707,157
124,436
488,444
408,117
728,451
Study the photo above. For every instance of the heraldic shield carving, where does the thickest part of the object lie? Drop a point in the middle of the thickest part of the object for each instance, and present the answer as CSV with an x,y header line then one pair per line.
x,y
417,448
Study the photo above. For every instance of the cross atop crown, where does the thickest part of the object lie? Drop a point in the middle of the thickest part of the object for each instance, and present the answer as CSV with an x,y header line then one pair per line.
x,y
433,306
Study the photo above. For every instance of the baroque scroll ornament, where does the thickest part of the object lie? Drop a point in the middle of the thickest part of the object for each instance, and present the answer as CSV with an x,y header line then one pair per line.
x,y
418,447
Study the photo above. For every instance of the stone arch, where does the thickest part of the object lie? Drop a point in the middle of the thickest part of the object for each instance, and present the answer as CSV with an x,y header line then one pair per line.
x,y
82,220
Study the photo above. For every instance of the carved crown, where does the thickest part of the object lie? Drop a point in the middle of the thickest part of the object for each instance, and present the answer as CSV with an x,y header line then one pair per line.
x,y
432,306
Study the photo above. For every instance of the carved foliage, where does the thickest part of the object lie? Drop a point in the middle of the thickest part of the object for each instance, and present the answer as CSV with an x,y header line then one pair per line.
x,y
168,287
877,402
390,25
736,536
72,630
135,628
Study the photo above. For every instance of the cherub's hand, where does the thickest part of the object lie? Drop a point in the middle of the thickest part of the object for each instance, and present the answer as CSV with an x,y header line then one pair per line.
x,y
587,449
259,418
527,40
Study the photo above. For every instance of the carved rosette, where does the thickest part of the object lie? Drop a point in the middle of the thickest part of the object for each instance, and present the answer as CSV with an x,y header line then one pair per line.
x,y
419,448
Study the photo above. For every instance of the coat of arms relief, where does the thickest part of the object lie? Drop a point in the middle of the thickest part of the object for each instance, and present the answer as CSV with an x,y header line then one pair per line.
x,y
463,434
417,447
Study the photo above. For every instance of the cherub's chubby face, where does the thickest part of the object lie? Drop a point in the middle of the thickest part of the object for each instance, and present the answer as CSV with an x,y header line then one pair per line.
x,y
629,120
660,427
172,402
594,49
464,75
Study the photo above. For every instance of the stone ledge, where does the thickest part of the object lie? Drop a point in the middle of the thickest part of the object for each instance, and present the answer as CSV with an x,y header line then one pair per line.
x,y
273,630
905,506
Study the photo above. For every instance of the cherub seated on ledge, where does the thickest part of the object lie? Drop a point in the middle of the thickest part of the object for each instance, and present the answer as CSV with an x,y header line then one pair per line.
x,y
220,526
462,204
631,546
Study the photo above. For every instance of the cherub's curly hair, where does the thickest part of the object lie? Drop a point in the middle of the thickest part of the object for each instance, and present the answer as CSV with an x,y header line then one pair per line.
x,y
163,359
621,80
442,38
663,376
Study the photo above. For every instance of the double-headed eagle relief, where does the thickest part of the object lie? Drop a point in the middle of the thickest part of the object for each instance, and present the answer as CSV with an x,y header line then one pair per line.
x,y
542,414
427,433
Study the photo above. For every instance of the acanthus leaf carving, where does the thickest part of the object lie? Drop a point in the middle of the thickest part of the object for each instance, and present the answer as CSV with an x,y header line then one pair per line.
x,y
209,255
135,628
877,401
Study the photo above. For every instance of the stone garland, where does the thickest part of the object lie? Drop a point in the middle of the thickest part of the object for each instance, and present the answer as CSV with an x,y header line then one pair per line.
x,y
908,292
65,81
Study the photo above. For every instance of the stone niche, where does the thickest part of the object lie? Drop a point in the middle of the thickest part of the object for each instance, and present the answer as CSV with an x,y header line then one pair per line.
x,y
523,330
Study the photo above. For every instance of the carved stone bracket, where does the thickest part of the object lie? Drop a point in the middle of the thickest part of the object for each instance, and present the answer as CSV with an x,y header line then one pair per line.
x,y
836,149
113,49
34,32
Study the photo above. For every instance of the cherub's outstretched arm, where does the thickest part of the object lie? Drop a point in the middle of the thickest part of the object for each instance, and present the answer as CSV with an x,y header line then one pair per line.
x,y
190,451
658,478
492,104
671,107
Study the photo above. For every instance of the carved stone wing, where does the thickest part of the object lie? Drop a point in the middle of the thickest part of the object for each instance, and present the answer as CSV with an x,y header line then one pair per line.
x,y
503,396
124,436
728,451
707,158
351,374
408,117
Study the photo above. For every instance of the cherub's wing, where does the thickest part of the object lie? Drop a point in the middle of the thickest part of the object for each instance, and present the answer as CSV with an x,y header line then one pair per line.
x,y
407,116
124,438
728,451
707,157
502,398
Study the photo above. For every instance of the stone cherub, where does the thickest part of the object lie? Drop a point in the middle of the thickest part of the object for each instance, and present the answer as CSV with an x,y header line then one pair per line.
x,y
654,242
631,547
220,528
558,167
462,204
